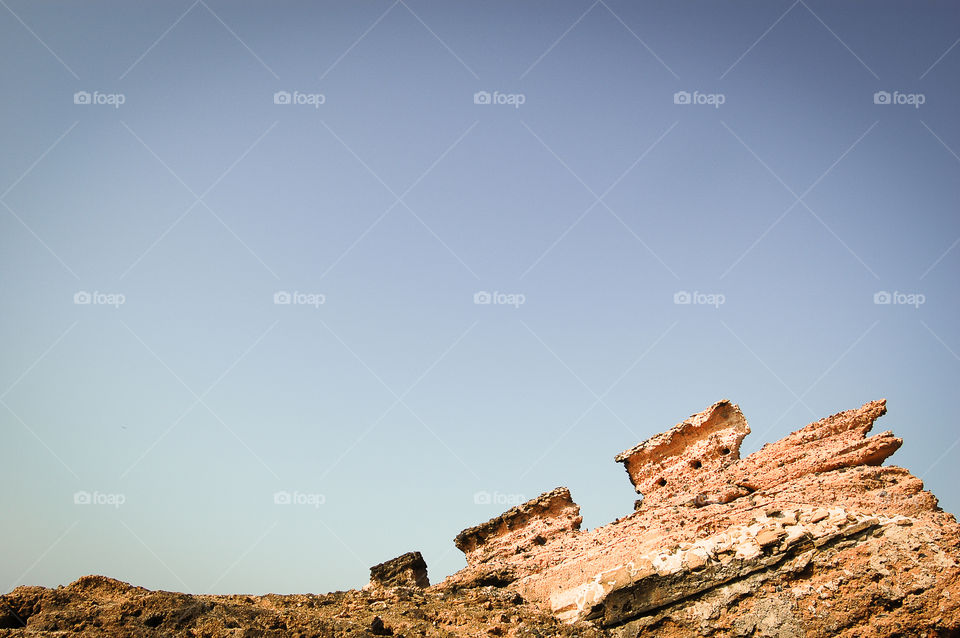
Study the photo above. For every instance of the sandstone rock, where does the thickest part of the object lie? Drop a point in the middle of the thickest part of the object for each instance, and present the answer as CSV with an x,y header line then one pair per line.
x,y
527,526
809,536
676,462
769,536
803,537
835,442
407,570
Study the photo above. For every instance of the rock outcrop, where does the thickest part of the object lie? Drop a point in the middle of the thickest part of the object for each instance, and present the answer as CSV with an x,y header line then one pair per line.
x,y
534,523
406,570
689,458
809,536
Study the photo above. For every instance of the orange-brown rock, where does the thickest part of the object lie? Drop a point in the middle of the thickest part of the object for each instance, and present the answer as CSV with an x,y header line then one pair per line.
x,y
687,459
808,536
550,516
834,442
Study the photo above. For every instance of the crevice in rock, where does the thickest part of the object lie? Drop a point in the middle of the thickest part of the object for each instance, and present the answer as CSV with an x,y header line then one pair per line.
x,y
673,582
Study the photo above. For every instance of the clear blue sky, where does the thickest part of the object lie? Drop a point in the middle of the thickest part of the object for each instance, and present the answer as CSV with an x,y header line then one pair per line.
x,y
183,198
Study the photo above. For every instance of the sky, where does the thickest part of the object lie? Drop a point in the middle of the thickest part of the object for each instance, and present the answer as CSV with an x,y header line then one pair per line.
x,y
291,289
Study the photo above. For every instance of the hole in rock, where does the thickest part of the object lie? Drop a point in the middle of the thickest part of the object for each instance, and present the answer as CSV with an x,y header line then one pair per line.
x,y
154,620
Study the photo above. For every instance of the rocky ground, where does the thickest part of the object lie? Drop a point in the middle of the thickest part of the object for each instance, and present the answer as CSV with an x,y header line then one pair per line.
x,y
809,536
96,605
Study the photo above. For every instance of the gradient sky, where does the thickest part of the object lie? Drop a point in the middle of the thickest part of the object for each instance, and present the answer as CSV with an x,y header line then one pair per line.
x,y
386,409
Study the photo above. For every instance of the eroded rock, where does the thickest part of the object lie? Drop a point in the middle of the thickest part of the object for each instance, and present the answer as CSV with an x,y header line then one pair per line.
x,y
809,535
684,461
527,526
407,570
838,441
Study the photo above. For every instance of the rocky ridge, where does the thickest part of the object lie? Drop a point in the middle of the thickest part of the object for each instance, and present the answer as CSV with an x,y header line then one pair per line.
x,y
809,536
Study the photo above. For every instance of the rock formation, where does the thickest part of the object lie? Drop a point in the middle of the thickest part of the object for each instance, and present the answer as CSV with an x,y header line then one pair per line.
x,y
809,536
679,464
408,570
550,515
